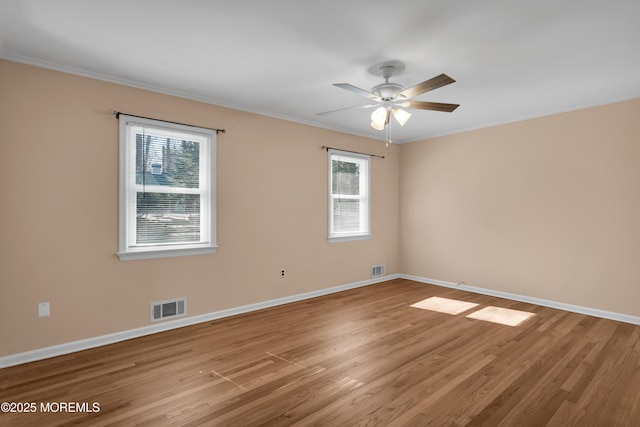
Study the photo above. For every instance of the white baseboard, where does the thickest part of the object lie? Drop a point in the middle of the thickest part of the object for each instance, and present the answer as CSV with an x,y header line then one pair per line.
x,y
61,349
537,301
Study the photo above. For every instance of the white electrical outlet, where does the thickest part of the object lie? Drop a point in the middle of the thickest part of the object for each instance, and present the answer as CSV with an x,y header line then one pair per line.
x,y
43,309
282,272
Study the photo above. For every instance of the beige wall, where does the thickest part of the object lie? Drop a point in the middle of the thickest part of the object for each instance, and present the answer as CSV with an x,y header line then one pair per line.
x,y
546,208
59,205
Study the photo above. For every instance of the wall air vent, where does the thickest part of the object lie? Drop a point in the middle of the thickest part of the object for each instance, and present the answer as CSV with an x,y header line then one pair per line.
x,y
168,309
377,270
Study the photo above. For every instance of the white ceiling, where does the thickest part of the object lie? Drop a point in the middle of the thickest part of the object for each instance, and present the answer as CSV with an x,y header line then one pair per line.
x,y
512,59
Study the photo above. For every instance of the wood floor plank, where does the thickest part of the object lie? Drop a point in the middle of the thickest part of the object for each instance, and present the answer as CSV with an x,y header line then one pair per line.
x,y
362,357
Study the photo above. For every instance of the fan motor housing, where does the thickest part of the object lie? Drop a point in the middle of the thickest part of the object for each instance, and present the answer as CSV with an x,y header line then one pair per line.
x,y
387,91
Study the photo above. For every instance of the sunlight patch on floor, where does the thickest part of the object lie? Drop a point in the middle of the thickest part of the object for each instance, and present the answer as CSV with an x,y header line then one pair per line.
x,y
504,316
444,305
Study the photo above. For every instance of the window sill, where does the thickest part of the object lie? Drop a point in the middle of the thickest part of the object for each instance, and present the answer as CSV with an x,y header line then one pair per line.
x,y
349,238
165,253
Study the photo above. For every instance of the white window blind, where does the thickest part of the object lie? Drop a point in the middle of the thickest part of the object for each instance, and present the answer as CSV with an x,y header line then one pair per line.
x,y
167,189
349,196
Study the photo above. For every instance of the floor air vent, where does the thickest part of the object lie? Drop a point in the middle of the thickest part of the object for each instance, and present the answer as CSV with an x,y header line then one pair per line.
x,y
168,309
377,270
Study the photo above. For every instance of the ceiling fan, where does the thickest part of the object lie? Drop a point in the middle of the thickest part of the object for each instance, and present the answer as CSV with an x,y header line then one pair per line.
x,y
391,97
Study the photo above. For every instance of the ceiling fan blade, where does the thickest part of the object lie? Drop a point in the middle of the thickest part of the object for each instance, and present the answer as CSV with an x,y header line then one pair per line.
x,y
357,91
427,85
436,106
348,108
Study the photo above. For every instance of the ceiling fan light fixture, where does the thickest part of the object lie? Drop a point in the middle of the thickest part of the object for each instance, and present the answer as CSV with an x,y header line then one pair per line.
x,y
392,98
401,116
378,118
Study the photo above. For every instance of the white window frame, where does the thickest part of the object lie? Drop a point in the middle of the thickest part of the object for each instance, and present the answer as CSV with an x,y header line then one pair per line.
x,y
128,250
364,197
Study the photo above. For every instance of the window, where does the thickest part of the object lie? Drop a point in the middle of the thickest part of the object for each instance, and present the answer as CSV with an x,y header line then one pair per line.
x,y
167,189
348,196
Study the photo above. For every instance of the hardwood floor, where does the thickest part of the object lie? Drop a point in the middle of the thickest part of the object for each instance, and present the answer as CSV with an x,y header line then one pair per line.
x,y
363,357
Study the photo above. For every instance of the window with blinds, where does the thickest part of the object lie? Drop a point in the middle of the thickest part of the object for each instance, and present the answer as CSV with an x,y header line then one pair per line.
x,y
349,195
167,189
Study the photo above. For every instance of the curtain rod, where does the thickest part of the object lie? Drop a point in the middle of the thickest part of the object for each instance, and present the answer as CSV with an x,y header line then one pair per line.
x,y
324,147
117,114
